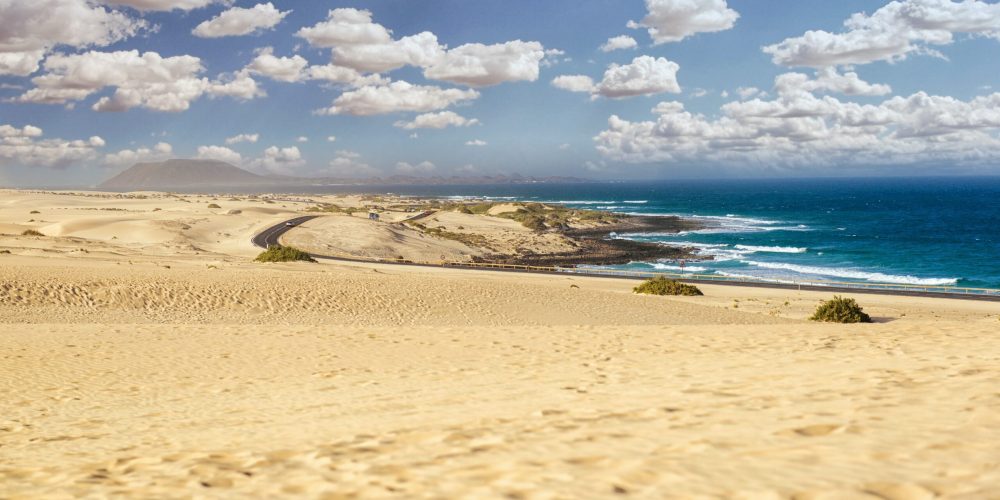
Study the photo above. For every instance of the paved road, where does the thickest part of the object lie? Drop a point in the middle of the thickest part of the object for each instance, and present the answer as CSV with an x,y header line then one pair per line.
x,y
271,235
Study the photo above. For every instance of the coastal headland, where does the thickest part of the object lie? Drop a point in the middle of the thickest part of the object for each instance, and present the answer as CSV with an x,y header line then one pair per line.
x,y
143,353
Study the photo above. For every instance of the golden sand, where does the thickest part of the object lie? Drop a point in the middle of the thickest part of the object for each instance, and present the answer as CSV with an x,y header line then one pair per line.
x,y
179,368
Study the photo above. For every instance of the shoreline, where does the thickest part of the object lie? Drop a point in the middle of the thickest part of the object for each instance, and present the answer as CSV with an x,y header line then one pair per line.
x,y
272,236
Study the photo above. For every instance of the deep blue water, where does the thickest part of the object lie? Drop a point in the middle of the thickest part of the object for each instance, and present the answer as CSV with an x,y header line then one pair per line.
x,y
915,231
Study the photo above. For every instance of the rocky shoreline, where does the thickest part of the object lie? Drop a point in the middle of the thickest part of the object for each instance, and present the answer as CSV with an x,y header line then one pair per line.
x,y
595,246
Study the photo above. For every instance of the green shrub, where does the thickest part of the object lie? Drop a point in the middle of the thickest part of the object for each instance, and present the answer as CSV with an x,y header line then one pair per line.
x,y
283,254
840,310
31,232
35,212
662,286
213,205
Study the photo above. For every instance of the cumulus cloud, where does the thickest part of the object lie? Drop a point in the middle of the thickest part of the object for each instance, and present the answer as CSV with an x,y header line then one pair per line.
x,y
891,33
281,161
348,164
621,42
645,75
799,128
479,65
359,43
331,138
422,168
437,120
284,69
236,139
148,80
476,142
574,83
220,153
25,146
127,157
395,97
829,80
675,20
166,5
30,30
239,21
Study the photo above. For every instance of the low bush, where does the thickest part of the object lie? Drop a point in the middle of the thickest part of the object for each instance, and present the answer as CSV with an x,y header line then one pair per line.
x,y
840,310
31,232
662,286
35,212
213,205
284,254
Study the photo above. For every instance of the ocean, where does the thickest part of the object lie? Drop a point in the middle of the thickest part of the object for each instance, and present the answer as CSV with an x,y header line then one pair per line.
x,y
917,231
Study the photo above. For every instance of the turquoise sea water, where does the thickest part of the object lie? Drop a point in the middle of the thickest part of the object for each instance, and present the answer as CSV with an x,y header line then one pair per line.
x,y
924,231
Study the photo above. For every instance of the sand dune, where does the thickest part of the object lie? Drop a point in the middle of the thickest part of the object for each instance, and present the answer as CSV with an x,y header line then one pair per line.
x,y
153,410
143,354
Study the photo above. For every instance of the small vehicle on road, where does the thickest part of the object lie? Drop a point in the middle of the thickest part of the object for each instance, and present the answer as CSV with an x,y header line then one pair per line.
x,y
291,224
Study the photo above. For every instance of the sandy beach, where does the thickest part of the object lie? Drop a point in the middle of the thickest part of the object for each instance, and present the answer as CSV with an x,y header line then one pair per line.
x,y
144,354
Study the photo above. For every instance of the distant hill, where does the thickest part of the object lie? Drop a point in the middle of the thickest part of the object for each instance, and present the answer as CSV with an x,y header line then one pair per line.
x,y
172,174
202,175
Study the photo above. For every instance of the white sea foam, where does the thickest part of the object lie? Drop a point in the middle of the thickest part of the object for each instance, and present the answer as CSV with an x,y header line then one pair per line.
x,y
753,249
755,278
578,202
685,269
837,272
636,202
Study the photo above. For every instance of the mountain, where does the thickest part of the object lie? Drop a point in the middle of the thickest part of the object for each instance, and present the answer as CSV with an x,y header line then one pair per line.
x,y
201,175
173,174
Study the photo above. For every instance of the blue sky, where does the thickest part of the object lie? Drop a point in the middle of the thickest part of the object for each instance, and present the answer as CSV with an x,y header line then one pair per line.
x,y
700,87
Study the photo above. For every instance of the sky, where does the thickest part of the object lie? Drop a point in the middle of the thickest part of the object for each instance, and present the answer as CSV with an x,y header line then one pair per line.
x,y
602,89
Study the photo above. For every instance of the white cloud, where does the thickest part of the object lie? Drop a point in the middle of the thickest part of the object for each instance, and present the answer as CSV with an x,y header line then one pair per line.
x,y
675,20
437,120
479,65
281,161
422,168
476,142
220,153
748,92
31,29
239,21
620,42
25,146
127,157
148,80
829,80
574,83
331,138
395,97
340,74
302,138
346,27
891,33
645,75
799,128
348,164
699,92
358,43
166,5
243,138
285,69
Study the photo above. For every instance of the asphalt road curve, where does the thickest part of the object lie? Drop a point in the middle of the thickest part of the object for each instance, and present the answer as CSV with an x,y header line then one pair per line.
x,y
270,236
